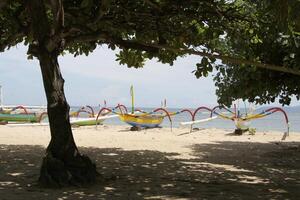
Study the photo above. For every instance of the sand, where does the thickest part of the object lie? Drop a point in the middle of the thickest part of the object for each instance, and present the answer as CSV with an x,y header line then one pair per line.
x,y
158,164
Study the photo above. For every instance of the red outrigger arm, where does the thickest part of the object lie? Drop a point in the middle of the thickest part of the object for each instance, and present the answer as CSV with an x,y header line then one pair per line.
x,y
168,114
198,109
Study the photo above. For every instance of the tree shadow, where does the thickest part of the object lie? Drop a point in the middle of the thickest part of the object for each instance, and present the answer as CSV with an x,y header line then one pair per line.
x,y
260,170
217,171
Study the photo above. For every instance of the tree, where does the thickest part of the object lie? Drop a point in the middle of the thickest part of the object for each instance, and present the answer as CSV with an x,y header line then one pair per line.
x,y
141,29
274,38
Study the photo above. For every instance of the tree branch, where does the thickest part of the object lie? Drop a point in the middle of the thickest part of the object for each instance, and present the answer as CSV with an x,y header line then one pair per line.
x,y
231,59
39,21
152,4
3,3
128,44
58,13
105,37
103,7
11,41
156,47
92,37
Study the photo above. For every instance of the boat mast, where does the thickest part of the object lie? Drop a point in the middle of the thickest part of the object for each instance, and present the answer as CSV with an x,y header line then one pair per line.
x,y
132,99
1,97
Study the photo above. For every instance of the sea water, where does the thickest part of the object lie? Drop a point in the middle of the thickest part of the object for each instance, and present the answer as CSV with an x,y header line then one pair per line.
x,y
273,122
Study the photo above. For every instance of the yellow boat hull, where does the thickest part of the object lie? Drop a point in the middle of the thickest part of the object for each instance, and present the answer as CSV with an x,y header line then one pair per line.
x,y
143,120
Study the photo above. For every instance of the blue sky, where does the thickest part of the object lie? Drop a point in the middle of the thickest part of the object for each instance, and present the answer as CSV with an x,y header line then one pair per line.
x,y
98,77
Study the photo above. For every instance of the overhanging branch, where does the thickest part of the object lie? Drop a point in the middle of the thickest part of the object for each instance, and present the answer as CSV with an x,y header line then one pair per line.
x,y
92,37
105,37
134,45
230,59
156,47
11,41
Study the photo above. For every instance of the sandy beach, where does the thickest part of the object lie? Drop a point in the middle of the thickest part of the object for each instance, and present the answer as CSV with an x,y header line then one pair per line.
x,y
158,164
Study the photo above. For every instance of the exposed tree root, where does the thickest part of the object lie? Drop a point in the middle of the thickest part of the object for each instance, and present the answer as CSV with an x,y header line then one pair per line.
x,y
78,170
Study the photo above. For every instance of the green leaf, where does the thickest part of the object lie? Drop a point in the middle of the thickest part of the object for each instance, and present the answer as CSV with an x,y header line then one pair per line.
x,y
86,3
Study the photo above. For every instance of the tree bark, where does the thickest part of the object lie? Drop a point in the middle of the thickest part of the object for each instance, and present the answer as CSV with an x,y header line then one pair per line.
x,y
63,164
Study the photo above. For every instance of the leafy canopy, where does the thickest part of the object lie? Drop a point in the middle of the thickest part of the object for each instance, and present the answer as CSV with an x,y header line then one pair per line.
x,y
239,32
274,39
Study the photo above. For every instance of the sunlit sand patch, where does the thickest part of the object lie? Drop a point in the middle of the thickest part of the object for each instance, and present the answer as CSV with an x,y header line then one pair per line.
x,y
289,179
3,149
278,191
213,165
183,155
62,198
146,188
8,183
230,168
79,193
165,197
110,154
196,168
251,179
167,185
15,174
274,170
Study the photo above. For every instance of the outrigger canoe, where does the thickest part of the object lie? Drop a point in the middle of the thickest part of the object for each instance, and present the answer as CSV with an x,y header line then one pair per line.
x,y
85,121
142,120
241,124
19,118
34,118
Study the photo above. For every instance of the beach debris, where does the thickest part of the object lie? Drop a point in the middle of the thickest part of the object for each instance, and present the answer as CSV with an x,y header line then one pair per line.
x,y
135,128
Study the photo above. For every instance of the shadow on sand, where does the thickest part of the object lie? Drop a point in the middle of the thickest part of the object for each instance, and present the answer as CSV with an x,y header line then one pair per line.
x,y
216,171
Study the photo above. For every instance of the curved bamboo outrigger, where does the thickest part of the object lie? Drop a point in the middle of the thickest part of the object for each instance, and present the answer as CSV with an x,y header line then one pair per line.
x,y
188,111
167,114
241,121
92,110
120,106
198,109
22,108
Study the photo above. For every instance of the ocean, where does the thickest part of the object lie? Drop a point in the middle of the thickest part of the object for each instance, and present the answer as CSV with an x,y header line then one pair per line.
x,y
273,122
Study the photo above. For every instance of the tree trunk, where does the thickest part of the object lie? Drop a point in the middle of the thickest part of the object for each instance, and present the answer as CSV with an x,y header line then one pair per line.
x,y
63,164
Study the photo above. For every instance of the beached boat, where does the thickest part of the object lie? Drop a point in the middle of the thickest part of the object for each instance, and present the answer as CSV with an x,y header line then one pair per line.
x,y
85,121
142,120
241,124
21,118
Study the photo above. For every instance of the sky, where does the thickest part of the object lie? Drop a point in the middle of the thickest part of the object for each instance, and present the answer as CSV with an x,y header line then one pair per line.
x,y
89,80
